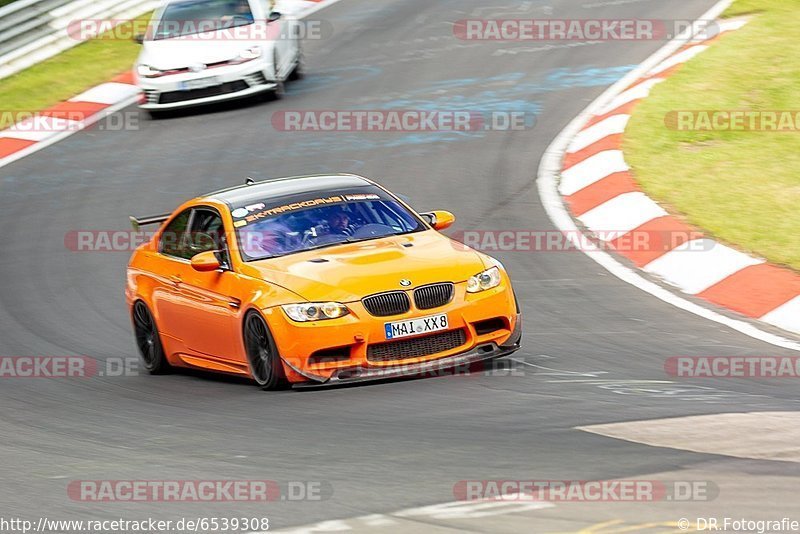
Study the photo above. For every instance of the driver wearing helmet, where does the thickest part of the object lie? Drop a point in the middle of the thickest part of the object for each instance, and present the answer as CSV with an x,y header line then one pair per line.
x,y
339,223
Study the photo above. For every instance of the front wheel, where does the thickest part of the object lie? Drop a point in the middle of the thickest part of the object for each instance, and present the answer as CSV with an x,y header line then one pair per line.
x,y
148,341
262,354
280,87
280,90
299,70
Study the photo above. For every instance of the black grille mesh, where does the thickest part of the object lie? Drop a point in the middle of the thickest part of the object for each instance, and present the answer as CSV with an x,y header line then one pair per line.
x,y
386,304
171,97
433,296
417,347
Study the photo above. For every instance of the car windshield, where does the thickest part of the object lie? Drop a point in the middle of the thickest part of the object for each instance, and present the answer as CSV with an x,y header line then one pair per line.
x,y
267,230
198,16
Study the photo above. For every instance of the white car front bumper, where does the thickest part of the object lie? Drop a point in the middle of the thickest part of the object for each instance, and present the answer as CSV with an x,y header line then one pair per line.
x,y
216,84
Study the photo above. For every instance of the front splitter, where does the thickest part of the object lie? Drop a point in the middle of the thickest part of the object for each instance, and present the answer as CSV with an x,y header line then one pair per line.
x,y
479,353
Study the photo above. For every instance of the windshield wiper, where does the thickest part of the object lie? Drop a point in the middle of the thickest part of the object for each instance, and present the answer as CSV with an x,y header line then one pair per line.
x,y
347,241
298,251
354,240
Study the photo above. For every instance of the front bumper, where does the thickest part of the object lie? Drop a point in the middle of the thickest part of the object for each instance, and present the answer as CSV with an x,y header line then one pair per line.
x,y
355,347
479,353
234,81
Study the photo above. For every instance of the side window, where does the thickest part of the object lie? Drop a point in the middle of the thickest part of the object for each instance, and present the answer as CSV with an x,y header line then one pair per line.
x,y
174,240
207,231
208,234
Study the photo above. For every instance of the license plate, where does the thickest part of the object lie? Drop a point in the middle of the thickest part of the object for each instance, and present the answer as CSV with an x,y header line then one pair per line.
x,y
415,327
201,83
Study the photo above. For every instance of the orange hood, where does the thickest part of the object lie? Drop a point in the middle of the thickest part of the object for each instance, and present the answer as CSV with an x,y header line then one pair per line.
x,y
349,272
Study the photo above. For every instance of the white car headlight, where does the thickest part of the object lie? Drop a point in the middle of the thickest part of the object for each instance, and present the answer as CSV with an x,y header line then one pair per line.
x,y
248,55
251,53
146,71
315,311
482,281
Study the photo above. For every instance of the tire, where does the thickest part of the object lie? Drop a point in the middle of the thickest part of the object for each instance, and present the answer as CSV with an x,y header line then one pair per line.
x,y
262,354
151,351
299,70
280,87
280,90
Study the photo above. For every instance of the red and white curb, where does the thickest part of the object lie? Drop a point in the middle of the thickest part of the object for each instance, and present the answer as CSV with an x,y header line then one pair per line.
x,y
585,170
80,112
597,185
64,119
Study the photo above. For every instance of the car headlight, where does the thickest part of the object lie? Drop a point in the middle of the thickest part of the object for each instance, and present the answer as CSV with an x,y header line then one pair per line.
x,y
248,55
315,311
482,281
146,71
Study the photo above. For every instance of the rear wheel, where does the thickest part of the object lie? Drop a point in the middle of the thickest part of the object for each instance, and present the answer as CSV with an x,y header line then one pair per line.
x,y
262,354
148,341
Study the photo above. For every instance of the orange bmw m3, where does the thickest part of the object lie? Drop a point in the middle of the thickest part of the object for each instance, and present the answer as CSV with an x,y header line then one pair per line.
x,y
314,280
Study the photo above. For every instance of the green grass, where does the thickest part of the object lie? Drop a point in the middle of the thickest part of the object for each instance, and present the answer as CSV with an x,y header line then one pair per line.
x,y
741,187
67,74
6,2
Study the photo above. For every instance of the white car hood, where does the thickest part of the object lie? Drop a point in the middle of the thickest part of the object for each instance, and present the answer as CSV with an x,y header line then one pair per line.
x,y
183,52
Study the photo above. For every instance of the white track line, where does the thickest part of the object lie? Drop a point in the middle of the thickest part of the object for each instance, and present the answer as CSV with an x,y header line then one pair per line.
x,y
677,59
621,214
547,183
591,170
615,124
785,316
698,264
63,135
636,92
107,93
40,128
421,516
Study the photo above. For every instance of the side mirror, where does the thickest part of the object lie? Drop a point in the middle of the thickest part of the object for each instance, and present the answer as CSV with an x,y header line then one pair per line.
x,y
206,262
138,38
274,16
440,219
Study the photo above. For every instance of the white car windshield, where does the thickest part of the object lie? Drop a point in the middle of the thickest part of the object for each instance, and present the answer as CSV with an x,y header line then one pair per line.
x,y
198,16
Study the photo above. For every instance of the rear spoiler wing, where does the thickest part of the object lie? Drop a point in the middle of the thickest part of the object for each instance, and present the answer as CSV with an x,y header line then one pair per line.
x,y
138,222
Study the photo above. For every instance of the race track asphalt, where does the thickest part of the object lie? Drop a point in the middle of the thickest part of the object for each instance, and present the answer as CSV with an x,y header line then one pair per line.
x,y
594,348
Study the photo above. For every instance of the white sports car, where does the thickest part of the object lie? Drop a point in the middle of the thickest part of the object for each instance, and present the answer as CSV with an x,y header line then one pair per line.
x,y
202,51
